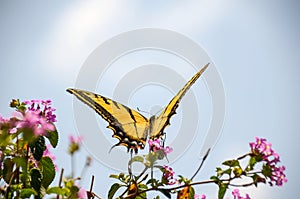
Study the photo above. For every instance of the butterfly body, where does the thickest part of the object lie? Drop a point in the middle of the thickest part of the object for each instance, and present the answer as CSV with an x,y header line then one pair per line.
x,y
130,127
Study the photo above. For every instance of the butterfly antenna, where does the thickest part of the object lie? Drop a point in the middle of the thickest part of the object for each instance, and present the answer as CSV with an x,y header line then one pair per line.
x,y
137,108
203,159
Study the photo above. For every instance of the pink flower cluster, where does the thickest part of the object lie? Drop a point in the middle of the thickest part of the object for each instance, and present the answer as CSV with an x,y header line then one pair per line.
x,y
33,118
155,145
168,175
261,146
47,111
34,121
236,195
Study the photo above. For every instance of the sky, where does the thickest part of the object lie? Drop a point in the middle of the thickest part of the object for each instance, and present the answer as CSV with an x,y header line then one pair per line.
x,y
253,48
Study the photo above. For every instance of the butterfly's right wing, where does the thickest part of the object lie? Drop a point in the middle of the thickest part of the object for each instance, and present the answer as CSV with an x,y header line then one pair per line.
x,y
159,123
129,126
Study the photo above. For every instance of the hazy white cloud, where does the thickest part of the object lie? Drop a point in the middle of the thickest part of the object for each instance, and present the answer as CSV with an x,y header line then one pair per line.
x,y
190,16
69,42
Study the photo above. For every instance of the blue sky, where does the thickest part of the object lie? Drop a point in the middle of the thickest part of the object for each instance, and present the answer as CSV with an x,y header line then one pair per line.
x,y
253,44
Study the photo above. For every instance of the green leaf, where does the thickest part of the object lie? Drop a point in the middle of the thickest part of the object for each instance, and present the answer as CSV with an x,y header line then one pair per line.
x,y
259,157
52,137
227,171
26,193
257,179
267,170
8,170
152,181
73,192
222,190
113,189
57,190
22,107
48,171
252,162
24,177
137,159
142,196
183,179
215,178
122,177
21,162
114,176
5,138
151,159
231,163
38,147
15,187
218,169
142,186
69,182
36,179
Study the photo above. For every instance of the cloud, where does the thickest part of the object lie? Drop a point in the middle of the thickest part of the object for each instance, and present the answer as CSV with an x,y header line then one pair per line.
x,y
190,16
75,32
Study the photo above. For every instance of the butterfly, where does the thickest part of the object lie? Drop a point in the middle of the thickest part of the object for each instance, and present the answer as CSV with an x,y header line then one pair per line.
x,y
130,127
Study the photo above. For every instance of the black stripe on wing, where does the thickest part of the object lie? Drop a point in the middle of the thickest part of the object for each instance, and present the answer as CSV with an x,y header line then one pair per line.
x,y
86,97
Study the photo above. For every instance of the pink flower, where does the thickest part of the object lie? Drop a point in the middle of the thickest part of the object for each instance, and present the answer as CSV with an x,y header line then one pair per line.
x,y
75,140
168,175
168,150
82,193
33,120
236,195
198,196
35,105
278,176
13,130
74,143
154,145
264,148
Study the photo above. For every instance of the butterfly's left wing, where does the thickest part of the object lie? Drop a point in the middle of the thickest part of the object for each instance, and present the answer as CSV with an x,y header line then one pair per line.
x,y
159,123
129,126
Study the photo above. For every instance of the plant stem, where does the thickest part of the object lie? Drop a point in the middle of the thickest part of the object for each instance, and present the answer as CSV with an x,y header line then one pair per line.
x,y
60,180
72,165
203,159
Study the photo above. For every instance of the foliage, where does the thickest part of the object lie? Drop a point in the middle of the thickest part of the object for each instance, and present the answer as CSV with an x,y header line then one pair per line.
x,y
27,166
262,167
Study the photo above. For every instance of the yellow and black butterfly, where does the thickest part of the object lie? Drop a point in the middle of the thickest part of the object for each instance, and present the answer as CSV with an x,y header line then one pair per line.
x,y
130,127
